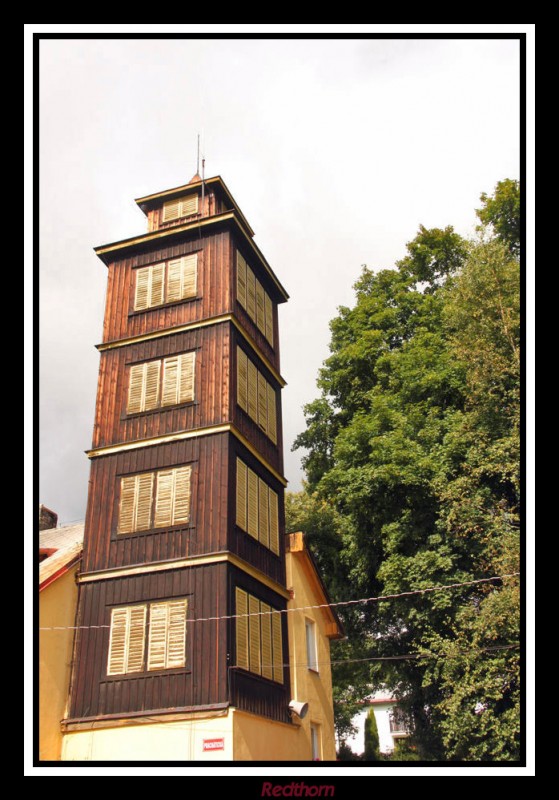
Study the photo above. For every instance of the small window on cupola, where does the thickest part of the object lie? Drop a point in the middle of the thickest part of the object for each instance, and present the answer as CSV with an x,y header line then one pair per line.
x,y
181,207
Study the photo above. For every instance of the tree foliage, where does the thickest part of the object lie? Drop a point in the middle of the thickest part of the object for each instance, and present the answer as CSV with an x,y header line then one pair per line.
x,y
372,750
412,461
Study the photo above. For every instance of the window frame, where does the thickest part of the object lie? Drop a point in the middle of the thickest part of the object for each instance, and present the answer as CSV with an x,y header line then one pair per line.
x,y
311,644
117,533
160,384
132,311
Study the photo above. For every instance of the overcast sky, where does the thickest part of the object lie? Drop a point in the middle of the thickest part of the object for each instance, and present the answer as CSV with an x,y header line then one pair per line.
x,y
335,150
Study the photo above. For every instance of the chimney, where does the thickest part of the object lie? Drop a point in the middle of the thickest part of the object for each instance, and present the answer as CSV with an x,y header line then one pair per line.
x,y
47,518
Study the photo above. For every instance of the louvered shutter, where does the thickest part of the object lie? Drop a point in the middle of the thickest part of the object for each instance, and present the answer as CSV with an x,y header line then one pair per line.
x,y
171,210
254,634
169,394
260,313
144,498
136,638
241,628
174,280
241,280
252,390
187,372
263,520
274,523
272,427
189,269
242,371
157,285
135,389
176,634
252,527
269,313
262,403
164,498
127,507
143,281
188,205
181,495
277,647
251,293
152,372
241,513
266,631
117,643
157,647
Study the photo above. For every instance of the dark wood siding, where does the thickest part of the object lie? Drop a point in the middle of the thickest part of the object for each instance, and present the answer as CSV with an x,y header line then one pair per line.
x,y
205,533
214,295
212,385
252,692
239,542
273,453
202,682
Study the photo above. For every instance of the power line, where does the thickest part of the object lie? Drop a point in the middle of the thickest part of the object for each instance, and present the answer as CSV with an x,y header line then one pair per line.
x,y
361,600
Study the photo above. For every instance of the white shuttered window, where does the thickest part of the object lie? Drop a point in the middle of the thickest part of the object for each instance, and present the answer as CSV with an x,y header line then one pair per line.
x,y
181,207
126,643
257,507
256,396
165,382
255,299
168,282
167,635
258,637
137,509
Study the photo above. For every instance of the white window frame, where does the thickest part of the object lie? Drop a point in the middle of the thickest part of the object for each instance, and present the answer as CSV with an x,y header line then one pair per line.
x,y
311,644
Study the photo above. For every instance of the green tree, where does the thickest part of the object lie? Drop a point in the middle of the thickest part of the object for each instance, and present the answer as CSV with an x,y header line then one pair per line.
x,y
372,751
413,447
502,211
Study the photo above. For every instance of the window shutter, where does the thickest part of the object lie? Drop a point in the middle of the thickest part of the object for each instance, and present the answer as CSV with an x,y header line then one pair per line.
x,y
189,272
241,280
188,205
144,497
164,498
157,285
269,313
174,275
187,371
126,644
266,630
241,628
181,495
251,294
274,523
117,644
126,511
143,280
171,210
277,647
252,390
151,385
260,314
170,381
263,521
135,389
262,403
242,368
136,638
157,647
176,634
272,414
252,528
254,634
241,514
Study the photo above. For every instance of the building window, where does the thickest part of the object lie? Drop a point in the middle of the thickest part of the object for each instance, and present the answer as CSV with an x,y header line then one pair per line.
x,y
316,742
310,634
181,207
168,282
166,637
254,299
258,637
256,396
257,507
399,721
154,500
165,382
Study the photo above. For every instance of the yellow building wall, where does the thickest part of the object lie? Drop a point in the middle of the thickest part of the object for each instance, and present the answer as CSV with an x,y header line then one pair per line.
x,y
315,688
57,607
260,739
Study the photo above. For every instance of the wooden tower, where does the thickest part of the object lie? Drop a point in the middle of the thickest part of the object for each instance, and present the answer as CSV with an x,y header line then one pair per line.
x,y
185,522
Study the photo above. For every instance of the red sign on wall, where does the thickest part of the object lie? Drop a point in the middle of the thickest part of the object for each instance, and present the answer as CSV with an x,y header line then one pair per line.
x,y
213,744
